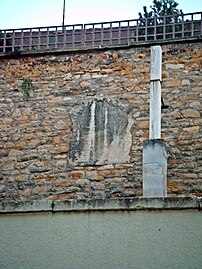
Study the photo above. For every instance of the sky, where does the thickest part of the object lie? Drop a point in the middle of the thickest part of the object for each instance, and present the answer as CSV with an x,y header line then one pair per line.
x,y
36,13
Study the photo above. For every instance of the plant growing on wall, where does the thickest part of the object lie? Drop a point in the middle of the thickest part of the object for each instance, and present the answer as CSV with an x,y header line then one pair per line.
x,y
26,87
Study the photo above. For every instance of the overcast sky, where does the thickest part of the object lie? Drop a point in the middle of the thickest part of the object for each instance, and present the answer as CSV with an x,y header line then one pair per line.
x,y
31,13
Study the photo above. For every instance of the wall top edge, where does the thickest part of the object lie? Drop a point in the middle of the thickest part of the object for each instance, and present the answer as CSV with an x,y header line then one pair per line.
x,y
36,53
123,204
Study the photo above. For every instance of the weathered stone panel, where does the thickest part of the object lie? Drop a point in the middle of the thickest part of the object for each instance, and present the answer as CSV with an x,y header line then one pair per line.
x,y
101,133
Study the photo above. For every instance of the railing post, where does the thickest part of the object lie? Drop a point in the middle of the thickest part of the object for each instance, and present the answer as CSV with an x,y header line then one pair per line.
x,y
155,28
56,37
119,34
30,39
173,27
38,39
73,37
93,35
102,35
128,34
13,40
21,40
110,34
137,31
182,25
4,42
192,25
84,35
47,38
64,36
164,27
146,25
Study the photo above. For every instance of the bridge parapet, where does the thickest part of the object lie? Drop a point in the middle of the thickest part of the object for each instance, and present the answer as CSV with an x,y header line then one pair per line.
x,y
103,34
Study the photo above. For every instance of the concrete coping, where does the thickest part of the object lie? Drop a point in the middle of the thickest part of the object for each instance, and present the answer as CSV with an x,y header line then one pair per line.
x,y
123,204
96,48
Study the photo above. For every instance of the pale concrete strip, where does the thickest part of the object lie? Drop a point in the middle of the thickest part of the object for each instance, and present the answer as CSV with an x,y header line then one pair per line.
x,y
133,204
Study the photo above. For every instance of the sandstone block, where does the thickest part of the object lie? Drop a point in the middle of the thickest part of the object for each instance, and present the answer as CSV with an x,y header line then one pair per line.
x,y
195,104
191,113
14,153
91,174
104,173
106,167
196,122
21,178
61,125
7,121
129,193
97,185
59,150
2,188
193,129
97,178
174,66
60,156
67,99
40,166
185,82
165,74
124,165
114,180
119,172
171,83
57,140
56,100
9,145
85,84
189,175
188,96
77,174
61,163
82,182
106,71
143,125
86,76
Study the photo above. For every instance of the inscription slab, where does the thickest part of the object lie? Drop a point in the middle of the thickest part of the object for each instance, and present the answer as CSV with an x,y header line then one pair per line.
x,y
101,133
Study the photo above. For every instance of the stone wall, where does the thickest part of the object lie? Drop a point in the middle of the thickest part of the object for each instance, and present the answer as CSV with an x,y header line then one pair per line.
x,y
44,131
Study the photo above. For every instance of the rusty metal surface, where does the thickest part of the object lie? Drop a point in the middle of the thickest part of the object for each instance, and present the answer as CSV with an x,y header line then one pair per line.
x,y
104,34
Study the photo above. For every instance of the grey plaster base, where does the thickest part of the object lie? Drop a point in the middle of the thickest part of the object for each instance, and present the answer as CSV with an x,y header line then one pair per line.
x,y
142,239
154,169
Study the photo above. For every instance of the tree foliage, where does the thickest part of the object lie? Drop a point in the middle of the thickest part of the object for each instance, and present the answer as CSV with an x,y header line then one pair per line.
x,y
161,8
155,18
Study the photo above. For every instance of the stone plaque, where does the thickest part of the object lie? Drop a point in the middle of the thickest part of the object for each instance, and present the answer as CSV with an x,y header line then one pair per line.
x,y
101,133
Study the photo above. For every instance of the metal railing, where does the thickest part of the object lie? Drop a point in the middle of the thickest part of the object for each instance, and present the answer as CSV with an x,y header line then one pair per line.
x,y
104,34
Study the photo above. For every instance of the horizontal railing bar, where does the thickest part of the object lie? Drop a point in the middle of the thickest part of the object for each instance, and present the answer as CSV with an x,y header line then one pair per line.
x,y
167,16
41,27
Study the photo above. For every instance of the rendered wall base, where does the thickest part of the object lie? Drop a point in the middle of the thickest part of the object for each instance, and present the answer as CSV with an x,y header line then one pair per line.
x,y
102,240
154,169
